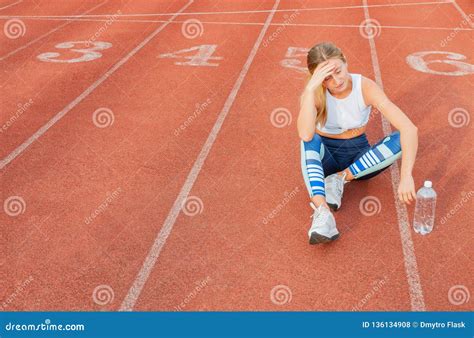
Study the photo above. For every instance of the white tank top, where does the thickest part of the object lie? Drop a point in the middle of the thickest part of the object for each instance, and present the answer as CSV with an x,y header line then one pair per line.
x,y
347,113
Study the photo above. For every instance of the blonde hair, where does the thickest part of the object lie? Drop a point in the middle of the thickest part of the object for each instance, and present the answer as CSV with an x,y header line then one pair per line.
x,y
319,53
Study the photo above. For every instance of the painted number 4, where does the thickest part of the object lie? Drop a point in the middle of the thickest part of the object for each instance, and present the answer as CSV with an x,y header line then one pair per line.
x,y
202,54
83,48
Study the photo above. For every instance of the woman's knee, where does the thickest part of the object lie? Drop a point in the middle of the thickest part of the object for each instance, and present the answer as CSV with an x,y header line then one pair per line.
x,y
392,141
393,138
314,144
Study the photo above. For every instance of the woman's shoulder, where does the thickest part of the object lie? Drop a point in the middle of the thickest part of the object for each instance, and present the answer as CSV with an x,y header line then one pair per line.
x,y
369,89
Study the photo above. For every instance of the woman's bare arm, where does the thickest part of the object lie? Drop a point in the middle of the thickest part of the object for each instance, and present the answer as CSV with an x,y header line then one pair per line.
x,y
375,96
307,117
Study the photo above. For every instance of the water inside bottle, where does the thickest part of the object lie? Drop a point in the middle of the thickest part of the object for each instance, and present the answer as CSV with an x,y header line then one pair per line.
x,y
424,216
425,209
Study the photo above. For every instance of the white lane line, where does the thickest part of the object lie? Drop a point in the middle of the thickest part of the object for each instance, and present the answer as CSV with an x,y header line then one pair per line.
x,y
411,267
84,94
463,14
259,11
10,5
256,24
6,56
142,276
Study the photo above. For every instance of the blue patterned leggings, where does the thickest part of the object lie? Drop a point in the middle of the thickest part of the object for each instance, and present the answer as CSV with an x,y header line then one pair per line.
x,y
323,156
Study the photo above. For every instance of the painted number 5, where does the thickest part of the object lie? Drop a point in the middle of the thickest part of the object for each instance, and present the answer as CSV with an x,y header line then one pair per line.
x,y
293,58
88,53
417,61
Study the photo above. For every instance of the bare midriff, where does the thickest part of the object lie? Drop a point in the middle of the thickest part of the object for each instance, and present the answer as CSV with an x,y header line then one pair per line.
x,y
350,133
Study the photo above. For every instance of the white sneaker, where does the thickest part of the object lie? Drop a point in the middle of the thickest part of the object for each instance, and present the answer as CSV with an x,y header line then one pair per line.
x,y
334,188
323,228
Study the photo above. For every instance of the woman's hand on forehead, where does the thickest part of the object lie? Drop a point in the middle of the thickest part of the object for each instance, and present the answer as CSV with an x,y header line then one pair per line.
x,y
333,62
324,64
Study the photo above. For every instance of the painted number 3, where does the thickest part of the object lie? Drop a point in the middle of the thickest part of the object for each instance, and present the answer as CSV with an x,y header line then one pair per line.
x,y
89,53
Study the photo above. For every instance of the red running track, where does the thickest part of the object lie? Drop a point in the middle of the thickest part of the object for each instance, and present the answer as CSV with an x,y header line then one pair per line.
x,y
101,223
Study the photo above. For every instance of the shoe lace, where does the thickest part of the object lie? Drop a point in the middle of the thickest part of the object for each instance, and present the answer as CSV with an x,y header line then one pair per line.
x,y
340,181
318,210
314,208
339,185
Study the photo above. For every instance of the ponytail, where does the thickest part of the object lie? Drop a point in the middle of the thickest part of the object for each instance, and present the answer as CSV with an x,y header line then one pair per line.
x,y
320,96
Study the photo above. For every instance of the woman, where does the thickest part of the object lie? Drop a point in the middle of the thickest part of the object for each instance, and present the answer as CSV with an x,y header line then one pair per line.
x,y
335,109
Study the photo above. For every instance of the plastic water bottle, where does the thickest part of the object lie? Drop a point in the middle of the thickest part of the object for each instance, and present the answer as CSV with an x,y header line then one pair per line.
x,y
425,209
